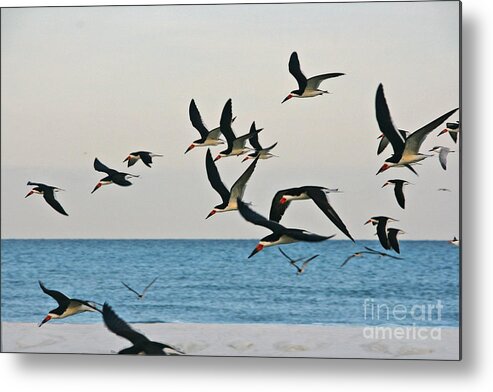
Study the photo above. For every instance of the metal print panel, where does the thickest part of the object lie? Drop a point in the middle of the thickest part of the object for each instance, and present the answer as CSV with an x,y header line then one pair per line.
x,y
276,180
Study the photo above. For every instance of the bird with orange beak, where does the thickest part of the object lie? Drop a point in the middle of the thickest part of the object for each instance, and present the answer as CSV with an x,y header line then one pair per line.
x,y
406,151
66,306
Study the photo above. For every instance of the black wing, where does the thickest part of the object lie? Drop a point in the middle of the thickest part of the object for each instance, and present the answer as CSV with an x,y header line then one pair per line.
x,y
295,70
257,219
149,285
254,138
196,120
118,326
384,142
292,261
49,196
399,193
277,208
131,289
225,124
98,166
56,295
146,158
215,178
347,260
321,200
453,135
382,234
385,122
393,242
238,188
303,235
414,141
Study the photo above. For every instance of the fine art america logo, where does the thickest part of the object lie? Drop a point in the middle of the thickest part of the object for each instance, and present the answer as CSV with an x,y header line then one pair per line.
x,y
399,313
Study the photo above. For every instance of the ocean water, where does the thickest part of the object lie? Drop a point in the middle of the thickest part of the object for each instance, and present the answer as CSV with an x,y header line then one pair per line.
x,y
212,281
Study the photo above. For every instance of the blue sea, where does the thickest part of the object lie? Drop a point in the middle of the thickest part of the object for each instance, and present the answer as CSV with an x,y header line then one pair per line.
x,y
212,281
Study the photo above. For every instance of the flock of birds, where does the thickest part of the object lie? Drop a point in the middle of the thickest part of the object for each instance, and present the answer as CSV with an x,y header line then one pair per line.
x,y
406,152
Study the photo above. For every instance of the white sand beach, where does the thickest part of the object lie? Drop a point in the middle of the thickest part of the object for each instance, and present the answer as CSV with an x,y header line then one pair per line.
x,y
241,340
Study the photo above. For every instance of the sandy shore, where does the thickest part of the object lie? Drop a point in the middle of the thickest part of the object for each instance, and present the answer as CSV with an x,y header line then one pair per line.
x,y
241,340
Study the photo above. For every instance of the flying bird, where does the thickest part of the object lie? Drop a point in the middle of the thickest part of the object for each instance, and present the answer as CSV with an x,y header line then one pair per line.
x,y
306,87
299,270
381,223
260,152
113,176
48,193
406,152
207,138
236,145
384,142
442,155
237,190
444,190
318,194
398,190
140,343
140,295
370,252
146,157
452,129
66,306
280,234
392,238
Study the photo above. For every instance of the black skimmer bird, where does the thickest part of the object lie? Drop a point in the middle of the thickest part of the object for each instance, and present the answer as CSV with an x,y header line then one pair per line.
x,y
452,129
207,138
113,176
262,153
237,190
48,193
370,252
236,145
306,87
392,238
442,155
280,234
406,152
398,190
455,242
140,344
318,194
140,295
66,306
381,223
299,270
146,157
384,142
444,190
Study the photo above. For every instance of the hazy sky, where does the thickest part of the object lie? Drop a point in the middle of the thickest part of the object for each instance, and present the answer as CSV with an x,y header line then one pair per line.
x,y
80,83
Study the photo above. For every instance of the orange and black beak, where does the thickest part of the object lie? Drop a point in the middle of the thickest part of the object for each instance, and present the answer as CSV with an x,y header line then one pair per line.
x,y
47,318
443,131
190,147
29,194
218,157
245,159
98,185
288,97
257,249
383,168
210,214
